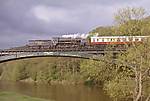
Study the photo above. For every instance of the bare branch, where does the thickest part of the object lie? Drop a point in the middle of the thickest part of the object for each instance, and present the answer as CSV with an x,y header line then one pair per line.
x,y
145,72
148,98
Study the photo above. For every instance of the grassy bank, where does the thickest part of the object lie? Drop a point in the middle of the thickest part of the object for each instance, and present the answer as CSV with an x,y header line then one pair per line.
x,y
9,96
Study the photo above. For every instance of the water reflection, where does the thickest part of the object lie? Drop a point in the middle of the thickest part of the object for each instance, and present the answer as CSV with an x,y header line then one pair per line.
x,y
57,92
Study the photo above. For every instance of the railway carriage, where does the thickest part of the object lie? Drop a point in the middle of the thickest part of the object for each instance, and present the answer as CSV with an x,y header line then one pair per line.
x,y
116,39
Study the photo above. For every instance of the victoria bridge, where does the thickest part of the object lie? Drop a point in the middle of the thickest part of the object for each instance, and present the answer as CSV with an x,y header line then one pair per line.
x,y
13,54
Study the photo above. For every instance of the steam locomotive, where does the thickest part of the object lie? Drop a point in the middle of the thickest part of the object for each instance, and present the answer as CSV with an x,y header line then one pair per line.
x,y
57,42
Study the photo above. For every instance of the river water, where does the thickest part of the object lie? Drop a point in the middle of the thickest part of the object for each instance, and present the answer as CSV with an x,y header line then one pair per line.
x,y
57,92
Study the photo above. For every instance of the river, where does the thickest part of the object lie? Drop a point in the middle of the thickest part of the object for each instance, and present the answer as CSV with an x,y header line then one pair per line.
x,y
56,92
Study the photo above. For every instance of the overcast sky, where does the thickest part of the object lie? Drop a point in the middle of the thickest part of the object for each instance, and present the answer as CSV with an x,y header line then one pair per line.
x,y
21,20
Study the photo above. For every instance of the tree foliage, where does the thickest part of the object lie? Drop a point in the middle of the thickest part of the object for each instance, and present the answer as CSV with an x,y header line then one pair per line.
x,y
130,13
137,59
130,21
102,31
130,78
42,70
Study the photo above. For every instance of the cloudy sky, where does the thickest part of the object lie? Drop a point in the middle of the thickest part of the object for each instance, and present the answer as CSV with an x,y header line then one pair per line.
x,y
21,20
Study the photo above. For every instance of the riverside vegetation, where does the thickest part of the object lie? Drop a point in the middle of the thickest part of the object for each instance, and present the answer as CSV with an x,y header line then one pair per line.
x,y
42,70
127,78
131,76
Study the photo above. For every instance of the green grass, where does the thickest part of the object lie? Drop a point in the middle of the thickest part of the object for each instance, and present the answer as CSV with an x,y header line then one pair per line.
x,y
9,96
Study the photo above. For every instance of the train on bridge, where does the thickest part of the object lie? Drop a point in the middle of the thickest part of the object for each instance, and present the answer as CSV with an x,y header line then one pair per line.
x,y
95,43
93,47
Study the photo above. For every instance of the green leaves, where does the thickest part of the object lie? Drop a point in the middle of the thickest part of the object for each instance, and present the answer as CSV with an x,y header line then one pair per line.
x,y
131,21
119,88
136,63
102,31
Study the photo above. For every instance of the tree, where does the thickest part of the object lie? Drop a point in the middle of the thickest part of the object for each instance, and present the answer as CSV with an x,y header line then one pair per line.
x,y
132,80
137,59
127,14
15,72
98,71
102,31
130,21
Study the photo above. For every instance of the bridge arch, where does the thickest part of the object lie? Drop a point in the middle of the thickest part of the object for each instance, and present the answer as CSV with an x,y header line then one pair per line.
x,y
31,57
24,55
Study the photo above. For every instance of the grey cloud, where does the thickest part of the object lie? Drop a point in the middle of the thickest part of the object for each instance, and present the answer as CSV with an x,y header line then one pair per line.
x,y
13,12
18,23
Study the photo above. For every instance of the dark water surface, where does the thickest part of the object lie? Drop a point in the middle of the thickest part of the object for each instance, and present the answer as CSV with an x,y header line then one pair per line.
x,y
56,92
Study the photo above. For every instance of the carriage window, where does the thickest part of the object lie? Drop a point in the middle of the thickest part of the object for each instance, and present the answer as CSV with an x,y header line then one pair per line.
x,y
118,40
102,39
142,39
123,39
93,40
136,39
130,39
114,39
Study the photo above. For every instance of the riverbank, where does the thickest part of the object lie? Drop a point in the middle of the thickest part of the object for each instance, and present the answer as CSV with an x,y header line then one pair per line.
x,y
56,92
10,96
55,73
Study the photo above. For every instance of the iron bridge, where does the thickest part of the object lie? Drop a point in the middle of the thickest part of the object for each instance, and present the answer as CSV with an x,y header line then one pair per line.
x,y
8,55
